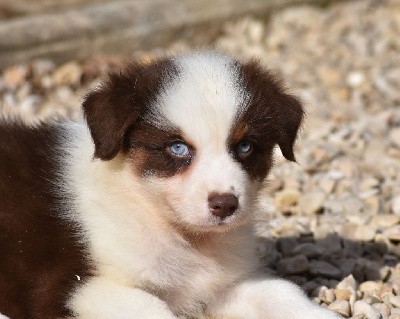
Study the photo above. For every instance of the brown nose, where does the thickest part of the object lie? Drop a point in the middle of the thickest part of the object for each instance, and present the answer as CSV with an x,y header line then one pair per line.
x,y
222,205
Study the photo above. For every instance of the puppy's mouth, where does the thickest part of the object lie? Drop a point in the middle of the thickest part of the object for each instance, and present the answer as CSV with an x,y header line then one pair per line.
x,y
217,224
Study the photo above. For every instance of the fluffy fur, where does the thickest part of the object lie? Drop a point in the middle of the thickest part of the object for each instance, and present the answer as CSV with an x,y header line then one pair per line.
x,y
103,219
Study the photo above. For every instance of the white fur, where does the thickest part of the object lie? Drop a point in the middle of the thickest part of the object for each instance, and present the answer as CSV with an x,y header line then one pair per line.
x,y
152,240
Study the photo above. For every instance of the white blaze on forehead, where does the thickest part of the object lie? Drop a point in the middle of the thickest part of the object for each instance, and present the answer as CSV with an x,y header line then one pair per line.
x,y
204,99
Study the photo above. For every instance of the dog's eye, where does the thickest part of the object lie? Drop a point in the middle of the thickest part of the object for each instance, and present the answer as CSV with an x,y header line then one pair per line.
x,y
179,149
244,148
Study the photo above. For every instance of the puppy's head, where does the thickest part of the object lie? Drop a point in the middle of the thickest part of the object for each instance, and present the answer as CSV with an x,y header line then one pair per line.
x,y
198,130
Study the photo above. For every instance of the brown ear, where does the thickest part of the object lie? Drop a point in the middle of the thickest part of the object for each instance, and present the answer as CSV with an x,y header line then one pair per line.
x,y
291,118
280,113
120,101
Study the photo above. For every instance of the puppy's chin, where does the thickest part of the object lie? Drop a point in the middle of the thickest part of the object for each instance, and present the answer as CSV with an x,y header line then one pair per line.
x,y
214,224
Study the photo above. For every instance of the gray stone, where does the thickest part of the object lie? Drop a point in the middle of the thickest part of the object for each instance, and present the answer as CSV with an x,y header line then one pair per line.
x,y
322,268
309,250
293,265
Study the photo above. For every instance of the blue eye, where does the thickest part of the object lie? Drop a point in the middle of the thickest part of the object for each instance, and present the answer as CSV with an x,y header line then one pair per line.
x,y
179,149
244,148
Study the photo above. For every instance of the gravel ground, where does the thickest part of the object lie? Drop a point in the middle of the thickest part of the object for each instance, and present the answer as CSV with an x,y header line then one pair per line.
x,y
332,222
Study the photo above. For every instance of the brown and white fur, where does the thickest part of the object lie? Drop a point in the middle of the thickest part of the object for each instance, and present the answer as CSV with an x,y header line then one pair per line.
x,y
103,219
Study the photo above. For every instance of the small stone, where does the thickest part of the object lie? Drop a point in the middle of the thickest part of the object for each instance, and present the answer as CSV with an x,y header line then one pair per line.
x,y
395,312
396,205
395,137
347,266
385,220
370,286
331,244
358,232
394,316
342,307
355,79
395,301
293,265
287,198
68,74
363,308
347,283
393,233
368,184
383,309
327,295
15,75
312,202
287,245
40,67
309,250
323,268
343,294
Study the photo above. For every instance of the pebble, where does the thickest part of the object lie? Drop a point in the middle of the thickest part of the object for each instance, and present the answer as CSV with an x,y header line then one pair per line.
x,y
370,286
395,137
324,269
396,205
287,198
358,232
293,265
385,220
68,74
383,309
395,301
363,308
15,75
342,307
309,250
311,203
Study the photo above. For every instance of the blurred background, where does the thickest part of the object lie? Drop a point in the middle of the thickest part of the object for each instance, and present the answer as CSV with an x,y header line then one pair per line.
x,y
330,223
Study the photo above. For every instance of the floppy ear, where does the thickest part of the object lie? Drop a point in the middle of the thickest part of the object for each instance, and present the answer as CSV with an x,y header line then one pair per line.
x,y
120,101
291,117
281,113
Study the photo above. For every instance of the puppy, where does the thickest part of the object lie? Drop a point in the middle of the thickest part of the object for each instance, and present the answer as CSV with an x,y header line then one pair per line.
x,y
145,209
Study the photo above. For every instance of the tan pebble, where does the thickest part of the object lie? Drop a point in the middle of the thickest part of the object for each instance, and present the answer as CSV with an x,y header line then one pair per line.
x,y
327,296
394,317
312,202
393,233
395,136
382,308
343,294
15,75
370,286
342,307
395,312
396,205
287,198
358,232
385,220
395,301
363,308
68,74
347,283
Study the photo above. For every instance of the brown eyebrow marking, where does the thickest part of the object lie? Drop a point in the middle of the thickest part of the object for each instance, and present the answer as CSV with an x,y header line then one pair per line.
x,y
146,149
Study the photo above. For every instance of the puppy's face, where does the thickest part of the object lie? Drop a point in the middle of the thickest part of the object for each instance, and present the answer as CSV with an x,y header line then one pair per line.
x,y
199,130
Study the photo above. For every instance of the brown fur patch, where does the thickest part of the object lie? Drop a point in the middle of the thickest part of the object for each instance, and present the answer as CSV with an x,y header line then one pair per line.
x,y
121,100
40,255
272,117
147,150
